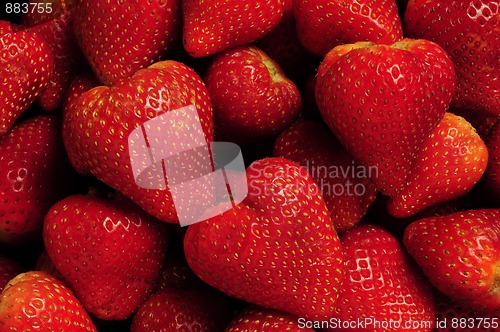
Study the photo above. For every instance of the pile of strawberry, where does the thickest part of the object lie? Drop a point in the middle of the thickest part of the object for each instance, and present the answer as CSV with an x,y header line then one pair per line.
x,y
371,132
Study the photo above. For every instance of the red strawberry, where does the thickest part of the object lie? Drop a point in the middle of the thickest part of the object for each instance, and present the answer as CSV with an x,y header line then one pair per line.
x,y
212,26
42,11
191,309
97,127
345,186
120,38
34,174
265,320
482,122
9,268
324,24
454,317
383,101
460,254
81,83
252,98
492,175
450,162
36,301
382,284
277,248
469,32
109,251
283,46
58,33
26,65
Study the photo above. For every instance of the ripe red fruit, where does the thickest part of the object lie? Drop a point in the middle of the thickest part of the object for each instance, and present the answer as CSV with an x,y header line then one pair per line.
x,y
345,186
34,174
212,26
97,126
26,65
252,98
277,248
468,32
460,255
81,83
186,309
118,38
43,11
109,251
382,283
450,162
58,33
261,319
36,299
383,101
324,24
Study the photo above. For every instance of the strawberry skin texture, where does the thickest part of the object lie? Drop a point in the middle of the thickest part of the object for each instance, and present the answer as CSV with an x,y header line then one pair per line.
x,y
450,162
264,320
58,33
460,255
383,101
345,206
36,301
80,83
109,251
212,26
382,281
469,32
34,18
26,65
277,248
34,174
252,98
324,24
118,38
97,126
191,309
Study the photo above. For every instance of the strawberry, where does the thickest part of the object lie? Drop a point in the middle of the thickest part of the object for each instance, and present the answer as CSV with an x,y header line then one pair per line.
x,y
42,11
283,46
345,186
382,284
277,248
105,247
43,263
482,122
454,317
324,24
58,33
212,26
383,101
9,268
191,309
36,301
492,175
34,174
252,98
261,319
81,82
468,31
120,38
450,162
26,64
460,255
97,126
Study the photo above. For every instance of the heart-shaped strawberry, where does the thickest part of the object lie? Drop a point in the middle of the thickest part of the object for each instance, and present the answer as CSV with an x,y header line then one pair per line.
x,y
119,38
109,251
383,101
97,127
26,65
277,248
